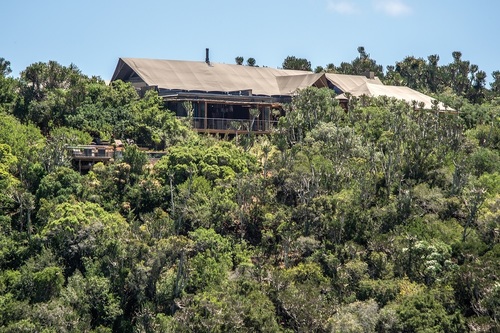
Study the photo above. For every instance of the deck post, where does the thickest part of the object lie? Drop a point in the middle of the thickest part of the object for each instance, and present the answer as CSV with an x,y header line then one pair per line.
x,y
205,121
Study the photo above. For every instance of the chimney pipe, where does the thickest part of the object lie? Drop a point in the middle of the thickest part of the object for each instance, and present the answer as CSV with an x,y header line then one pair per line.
x,y
207,58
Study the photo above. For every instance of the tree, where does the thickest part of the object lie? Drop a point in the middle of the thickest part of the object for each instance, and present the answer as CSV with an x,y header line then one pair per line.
x,y
360,65
239,305
301,64
477,289
329,68
300,299
413,71
433,76
79,230
211,261
4,67
8,95
9,187
495,84
212,160
49,92
56,152
41,278
251,62
60,185
92,298
136,158
26,143
7,166
239,60
154,126
473,198
309,107
465,79
478,83
355,317
421,312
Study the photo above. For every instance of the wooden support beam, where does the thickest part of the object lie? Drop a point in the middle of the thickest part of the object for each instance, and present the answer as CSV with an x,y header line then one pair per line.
x,y
205,124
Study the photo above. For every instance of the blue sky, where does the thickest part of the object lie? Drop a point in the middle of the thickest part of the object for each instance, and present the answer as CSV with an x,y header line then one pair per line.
x,y
93,34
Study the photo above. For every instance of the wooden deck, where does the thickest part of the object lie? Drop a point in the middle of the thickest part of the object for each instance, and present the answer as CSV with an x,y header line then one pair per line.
x,y
84,157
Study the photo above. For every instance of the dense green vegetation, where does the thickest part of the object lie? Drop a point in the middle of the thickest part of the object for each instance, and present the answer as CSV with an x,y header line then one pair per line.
x,y
378,219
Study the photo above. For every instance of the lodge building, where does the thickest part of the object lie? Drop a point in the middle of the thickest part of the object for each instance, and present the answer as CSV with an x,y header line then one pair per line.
x,y
227,98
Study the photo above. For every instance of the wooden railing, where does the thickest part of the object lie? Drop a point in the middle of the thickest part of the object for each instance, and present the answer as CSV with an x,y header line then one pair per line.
x,y
236,125
92,152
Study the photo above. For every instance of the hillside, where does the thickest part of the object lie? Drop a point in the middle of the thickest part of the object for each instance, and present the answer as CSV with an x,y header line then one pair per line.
x,y
378,218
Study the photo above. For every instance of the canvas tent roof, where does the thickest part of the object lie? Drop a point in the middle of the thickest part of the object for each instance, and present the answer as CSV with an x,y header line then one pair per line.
x,y
346,83
214,77
399,92
288,84
199,76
